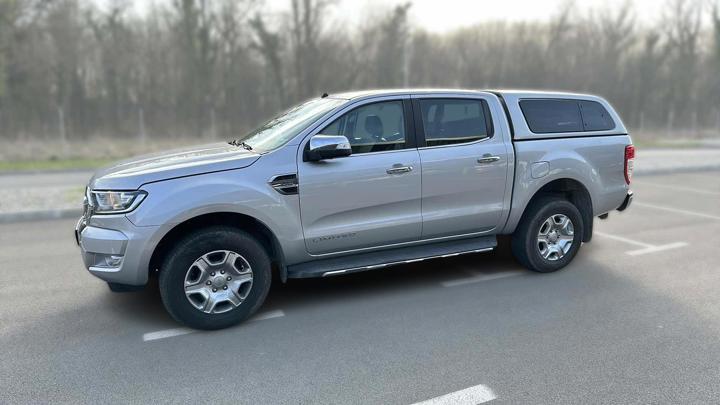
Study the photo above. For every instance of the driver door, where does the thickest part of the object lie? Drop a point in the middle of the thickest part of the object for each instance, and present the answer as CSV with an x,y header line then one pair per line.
x,y
372,197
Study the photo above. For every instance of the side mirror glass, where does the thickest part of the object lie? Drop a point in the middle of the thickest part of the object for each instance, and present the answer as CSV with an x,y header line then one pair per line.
x,y
323,147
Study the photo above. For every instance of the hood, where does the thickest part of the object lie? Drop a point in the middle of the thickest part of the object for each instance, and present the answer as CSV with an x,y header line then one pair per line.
x,y
133,173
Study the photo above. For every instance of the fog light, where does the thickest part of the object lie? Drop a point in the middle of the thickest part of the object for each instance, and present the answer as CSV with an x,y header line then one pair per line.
x,y
109,261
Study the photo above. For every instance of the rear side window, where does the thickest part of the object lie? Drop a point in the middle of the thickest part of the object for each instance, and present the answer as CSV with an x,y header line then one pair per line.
x,y
595,116
557,116
453,121
551,116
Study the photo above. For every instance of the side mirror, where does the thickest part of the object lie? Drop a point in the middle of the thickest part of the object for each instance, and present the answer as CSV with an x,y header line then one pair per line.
x,y
323,147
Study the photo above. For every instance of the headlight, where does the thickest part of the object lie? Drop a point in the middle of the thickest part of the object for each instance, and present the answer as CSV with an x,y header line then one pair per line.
x,y
116,202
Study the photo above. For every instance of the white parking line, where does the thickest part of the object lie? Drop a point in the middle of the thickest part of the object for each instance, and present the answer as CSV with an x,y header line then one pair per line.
x,y
646,247
278,313
162,334
621,239
678,211
478,394
654,249
677,188
479,278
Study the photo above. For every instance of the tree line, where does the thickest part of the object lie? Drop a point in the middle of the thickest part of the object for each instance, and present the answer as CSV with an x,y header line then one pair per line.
x,y
214,68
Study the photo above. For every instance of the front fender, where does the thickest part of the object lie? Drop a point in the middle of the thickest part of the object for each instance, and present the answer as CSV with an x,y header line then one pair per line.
x,y
244,191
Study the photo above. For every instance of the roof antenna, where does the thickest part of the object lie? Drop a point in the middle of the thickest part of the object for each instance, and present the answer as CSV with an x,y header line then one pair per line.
x,y
324,95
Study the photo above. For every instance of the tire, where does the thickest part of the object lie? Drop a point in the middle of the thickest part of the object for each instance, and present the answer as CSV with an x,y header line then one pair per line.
x,y
217,249
526,241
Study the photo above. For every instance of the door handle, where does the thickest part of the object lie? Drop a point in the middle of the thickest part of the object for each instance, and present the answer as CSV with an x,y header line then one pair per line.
x,y
487,158
399,169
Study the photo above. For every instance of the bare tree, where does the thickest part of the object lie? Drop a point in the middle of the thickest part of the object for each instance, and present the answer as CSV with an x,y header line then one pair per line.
x,y
682,32
714,61
191,67
305,27
115,44
391,53
269,45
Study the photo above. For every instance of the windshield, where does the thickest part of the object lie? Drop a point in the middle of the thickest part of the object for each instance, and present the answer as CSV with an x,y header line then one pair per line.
x,y
285,126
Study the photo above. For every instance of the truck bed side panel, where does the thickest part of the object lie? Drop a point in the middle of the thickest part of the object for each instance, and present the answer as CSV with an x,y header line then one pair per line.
x,y
596,162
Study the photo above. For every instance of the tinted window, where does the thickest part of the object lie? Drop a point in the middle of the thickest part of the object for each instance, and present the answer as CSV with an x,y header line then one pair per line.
x,y
544,116
372,128
595,116
451,121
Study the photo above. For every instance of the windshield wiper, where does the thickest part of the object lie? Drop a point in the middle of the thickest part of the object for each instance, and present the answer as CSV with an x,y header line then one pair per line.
x,y
243,144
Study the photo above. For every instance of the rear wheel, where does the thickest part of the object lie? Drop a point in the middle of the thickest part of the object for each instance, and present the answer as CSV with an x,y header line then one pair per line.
x,y
215,278
549,235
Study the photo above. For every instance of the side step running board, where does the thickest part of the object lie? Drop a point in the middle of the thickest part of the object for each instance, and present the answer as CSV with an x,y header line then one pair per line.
x,y
384,258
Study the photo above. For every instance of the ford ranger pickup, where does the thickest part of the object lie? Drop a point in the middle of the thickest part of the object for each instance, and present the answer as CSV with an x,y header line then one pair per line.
x,y
357,181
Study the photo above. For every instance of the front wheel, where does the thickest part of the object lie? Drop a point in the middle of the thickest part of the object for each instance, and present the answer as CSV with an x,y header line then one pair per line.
x,y
215,278
549,235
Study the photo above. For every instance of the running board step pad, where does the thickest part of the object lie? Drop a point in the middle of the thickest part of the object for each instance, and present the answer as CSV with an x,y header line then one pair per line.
x,y
378,259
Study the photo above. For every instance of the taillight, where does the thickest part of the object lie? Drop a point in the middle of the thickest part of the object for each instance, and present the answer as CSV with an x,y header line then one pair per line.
x,y
629,162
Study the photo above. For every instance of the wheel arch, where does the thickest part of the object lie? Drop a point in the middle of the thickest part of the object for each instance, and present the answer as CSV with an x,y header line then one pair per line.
x,y
571,190
241,221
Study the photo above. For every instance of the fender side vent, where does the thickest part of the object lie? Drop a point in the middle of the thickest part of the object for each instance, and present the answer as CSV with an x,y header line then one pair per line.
x,y
286,184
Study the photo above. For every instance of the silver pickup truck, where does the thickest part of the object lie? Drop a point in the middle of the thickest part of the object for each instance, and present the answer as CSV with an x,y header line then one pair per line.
x,y
353,182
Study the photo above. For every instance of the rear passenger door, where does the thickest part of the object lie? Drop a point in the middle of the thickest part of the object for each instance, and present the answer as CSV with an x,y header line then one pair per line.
x,y
464,165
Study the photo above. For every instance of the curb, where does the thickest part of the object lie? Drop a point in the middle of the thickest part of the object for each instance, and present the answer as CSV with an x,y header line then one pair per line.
x,y
678,170
31,172
27,216
12,217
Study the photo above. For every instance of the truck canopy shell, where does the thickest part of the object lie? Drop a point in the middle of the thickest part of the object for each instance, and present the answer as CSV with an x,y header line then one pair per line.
x,y
522,131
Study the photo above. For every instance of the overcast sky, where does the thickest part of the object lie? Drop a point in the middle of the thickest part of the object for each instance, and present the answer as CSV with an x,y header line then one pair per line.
x,y
443,15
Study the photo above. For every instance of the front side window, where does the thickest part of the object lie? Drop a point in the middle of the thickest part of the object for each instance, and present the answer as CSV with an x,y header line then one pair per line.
x,y
372,128
452,121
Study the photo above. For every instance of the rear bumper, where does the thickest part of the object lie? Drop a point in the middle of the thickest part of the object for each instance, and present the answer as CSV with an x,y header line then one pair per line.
x,y
626,203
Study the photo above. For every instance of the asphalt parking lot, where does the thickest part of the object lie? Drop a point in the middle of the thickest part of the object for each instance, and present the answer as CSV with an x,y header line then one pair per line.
x,y
634,319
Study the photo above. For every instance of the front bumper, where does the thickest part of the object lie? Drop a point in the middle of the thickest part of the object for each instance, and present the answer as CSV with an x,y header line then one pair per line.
x,y
626,203
115,250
